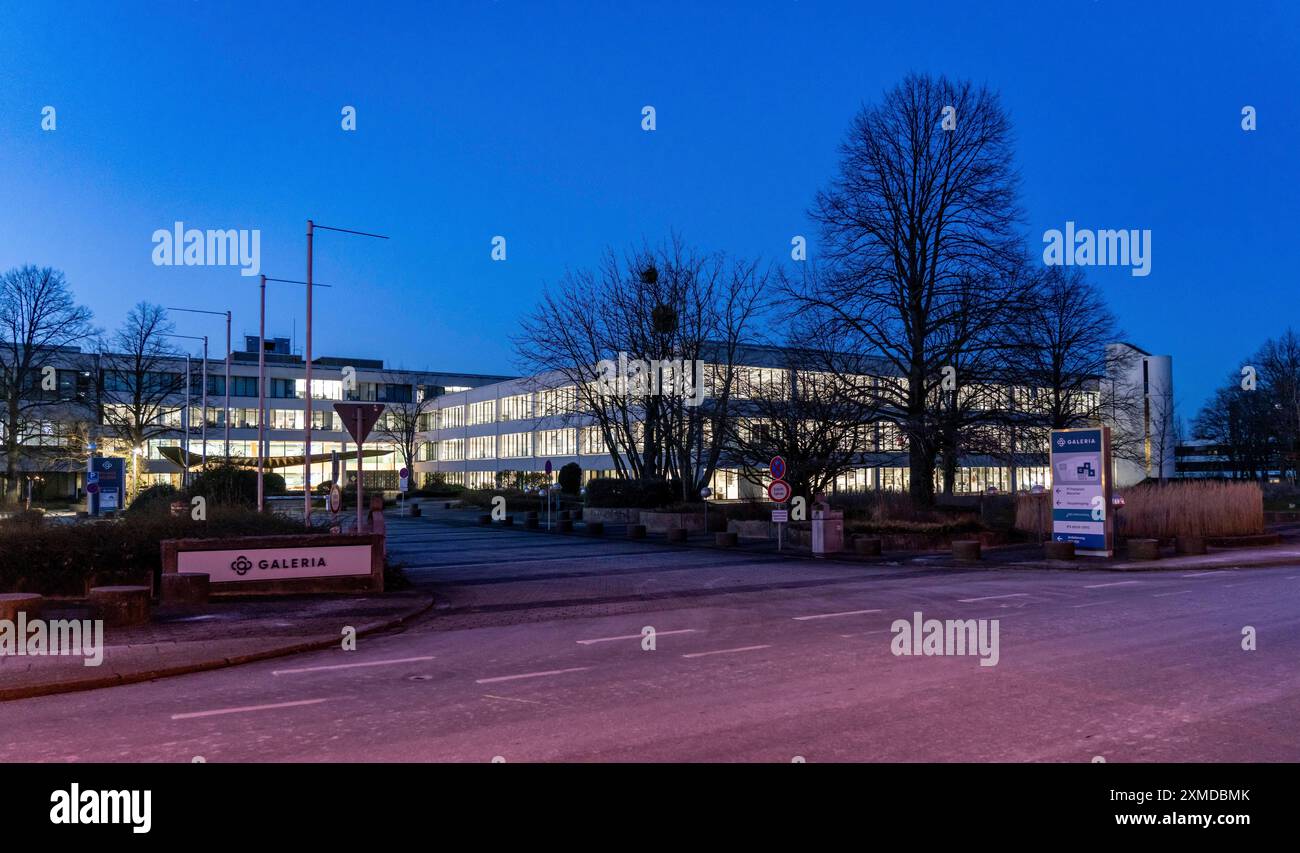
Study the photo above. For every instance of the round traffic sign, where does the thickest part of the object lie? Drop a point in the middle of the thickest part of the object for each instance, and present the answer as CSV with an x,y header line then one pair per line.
x,y
779,491
92,488
336,498
777,468
404,473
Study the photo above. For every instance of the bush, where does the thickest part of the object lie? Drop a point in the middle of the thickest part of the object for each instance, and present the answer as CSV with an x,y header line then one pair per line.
x,y
639,494
58,559
570,478
1164,511
228,485
156,498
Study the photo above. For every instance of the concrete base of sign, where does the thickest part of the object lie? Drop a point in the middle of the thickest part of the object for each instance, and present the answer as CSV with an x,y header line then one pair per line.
x,y
186,588
636,531
867,546
676,534
12,603
1143,549
350,555
564,525
967,549
725,540
120,606
595,528
1189,545
1058,550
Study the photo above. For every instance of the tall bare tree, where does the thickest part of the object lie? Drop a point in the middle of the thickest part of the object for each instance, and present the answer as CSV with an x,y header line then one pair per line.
x,y
918,228
403,417
140,381
38,318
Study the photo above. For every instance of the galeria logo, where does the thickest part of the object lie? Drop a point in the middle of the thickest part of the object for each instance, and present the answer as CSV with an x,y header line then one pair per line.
x,y
214,247
241,565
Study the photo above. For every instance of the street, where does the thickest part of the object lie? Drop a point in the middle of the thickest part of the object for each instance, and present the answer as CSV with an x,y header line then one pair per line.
x,y
535,652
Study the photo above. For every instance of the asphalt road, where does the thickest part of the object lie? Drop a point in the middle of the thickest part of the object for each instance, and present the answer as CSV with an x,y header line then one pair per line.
x,y
535,653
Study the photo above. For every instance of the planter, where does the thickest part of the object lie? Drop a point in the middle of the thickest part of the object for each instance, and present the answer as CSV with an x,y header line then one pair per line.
x,y
12,603
508,521
636,531
531,522
676,534
564,525
120,606
595,528
416,512
185,588
485,518
867,546
1189,545
725,540
613,515
966,549
1058,550
751,529
657,522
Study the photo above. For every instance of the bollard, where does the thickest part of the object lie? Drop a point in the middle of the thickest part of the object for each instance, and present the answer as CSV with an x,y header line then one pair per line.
x,y
1058,550
1189,545
485,518
1143,549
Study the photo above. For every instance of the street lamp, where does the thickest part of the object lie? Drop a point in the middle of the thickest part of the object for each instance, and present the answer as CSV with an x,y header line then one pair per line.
x,y
225,314
185,415
261,383
306,445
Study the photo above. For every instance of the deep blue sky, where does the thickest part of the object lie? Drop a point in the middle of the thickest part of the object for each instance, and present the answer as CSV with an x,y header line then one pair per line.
x,y
523,119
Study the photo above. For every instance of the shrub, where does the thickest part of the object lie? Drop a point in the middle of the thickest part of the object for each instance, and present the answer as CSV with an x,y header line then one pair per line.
x,y
57,559
1164,511
640,494
570,478
156,498
228,485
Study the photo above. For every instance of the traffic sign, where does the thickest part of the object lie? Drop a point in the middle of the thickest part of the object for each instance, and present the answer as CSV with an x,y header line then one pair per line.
x,y
779,491
404,480
548,466
336,498
404,473
369,415
92,488
777,468
780,516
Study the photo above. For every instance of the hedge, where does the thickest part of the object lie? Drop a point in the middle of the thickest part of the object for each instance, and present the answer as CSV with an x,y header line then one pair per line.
x,y
639,494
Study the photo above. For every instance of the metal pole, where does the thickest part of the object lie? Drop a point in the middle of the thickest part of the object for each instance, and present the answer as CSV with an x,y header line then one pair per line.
x,y
227,386
261,395
359,527
306,444
185,427
203,419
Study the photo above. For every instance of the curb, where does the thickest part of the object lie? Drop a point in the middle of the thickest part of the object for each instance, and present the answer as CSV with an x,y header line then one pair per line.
x,y
8,694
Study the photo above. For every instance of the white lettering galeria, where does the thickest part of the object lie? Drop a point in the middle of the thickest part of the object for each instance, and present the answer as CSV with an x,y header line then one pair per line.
x,y
75,806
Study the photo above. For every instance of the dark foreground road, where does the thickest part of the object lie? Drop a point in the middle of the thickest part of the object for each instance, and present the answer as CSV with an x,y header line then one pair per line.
x,y
536,655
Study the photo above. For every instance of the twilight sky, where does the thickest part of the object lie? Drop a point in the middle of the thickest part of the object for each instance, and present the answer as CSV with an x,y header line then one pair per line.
x,y
523,119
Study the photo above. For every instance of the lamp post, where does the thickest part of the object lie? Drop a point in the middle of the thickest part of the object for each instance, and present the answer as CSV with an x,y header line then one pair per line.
x,y
261,382
225,314
306,444
185,414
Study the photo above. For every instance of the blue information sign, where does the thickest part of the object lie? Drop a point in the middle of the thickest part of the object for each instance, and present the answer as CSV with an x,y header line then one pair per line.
x,y
1081,489
109,474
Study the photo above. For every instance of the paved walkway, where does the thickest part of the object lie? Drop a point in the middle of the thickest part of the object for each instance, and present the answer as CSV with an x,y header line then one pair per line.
x,y
181,640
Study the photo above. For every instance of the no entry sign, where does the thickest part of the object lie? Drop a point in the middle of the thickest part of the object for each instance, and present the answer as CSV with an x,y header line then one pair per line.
x,y
779,491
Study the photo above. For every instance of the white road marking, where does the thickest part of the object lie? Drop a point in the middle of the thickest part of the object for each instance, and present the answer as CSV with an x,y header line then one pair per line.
x,y
635,636
727,651
830,615
1179,592
866,633
495,679
992,597
244,708
511,699
1092,604
350,665
1204,574
1112,583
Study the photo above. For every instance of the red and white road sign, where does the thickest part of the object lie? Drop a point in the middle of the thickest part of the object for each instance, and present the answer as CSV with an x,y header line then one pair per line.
x,y
369,416
777,468
779,491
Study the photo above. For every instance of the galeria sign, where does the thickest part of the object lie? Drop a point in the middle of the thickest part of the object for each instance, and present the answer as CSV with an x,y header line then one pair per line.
x,y
1081,488
271,564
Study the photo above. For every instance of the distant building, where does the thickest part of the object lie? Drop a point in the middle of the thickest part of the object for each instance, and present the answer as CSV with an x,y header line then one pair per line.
x,y
1143,417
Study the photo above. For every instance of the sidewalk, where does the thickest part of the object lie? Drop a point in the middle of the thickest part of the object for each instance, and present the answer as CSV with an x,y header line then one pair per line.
x,y
181,640
1024,555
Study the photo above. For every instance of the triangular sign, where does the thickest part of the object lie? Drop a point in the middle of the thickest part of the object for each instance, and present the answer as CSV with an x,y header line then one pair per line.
x,y
369,416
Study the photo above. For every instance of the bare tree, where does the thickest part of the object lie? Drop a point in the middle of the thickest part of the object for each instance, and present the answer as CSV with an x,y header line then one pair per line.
x,y
919,231
403,417
140,382
628,342
38,319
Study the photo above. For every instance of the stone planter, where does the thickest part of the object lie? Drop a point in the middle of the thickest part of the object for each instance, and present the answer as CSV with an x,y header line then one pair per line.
x,y
758,529
657,522
1058,550
485,518
676,534
1189,545
966,549
564,525
867,546
185,588
613,515
120,606
531,522
1143,549
636,531
508,521
595,528
416,512
12,603
725,540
